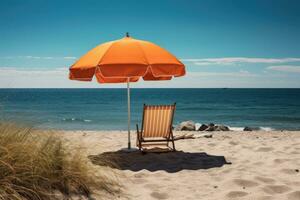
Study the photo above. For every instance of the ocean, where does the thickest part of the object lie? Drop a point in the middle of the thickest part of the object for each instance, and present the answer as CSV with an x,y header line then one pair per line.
x,y
106,109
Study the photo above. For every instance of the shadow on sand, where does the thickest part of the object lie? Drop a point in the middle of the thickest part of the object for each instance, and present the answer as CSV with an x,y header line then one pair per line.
x,y
170,162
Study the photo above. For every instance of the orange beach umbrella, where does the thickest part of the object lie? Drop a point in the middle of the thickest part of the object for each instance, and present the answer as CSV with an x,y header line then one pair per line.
x,y
126,60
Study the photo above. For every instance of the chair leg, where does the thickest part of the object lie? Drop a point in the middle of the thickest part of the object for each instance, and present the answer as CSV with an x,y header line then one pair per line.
x,y
138,141
168,142
140,144
173,143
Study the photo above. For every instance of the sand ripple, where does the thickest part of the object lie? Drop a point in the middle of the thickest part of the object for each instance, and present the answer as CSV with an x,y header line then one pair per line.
x,y
236,194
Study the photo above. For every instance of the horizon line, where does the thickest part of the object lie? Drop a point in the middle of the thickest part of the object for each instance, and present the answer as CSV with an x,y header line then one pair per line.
x,y
158,88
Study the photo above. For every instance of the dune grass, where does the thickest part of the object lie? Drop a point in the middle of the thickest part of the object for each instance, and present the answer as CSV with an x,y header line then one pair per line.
x,y
37,165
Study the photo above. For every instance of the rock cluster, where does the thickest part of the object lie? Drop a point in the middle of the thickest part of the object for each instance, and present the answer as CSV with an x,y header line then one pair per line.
x,y
192,126
247,128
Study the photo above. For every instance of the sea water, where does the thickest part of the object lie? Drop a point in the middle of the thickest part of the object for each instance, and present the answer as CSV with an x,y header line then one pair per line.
x,y
106,109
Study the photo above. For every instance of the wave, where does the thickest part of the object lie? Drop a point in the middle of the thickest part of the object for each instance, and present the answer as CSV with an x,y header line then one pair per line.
x,y
236,128
253,128
75,120
266,129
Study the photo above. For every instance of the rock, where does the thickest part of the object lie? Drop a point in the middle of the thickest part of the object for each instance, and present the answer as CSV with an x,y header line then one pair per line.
x,y
221,128
186,126
197,126
210,128
247,128
208,136
203,127
192,126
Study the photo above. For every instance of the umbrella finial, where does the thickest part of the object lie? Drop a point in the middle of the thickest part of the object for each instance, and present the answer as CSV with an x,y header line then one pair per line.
x,y
127,34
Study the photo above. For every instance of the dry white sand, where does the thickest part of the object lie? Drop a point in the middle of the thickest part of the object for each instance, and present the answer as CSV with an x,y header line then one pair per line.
x,y
264,165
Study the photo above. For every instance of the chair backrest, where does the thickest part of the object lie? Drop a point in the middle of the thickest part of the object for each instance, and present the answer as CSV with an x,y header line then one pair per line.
x,y
157,120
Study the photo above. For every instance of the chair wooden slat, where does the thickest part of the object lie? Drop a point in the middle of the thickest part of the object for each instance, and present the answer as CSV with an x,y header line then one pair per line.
x,y
157,123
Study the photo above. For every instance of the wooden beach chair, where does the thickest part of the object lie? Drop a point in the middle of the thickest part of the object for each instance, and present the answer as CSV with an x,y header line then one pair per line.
x,y
156,127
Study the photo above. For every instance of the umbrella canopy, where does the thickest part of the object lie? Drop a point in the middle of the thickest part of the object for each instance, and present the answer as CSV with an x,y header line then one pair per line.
x,y
126,60
116,61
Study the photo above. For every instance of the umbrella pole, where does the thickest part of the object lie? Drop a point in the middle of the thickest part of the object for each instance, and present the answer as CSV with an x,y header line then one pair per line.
x,y
128,104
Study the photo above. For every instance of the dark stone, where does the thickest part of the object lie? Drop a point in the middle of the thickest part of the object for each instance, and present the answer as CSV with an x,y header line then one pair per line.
x,y
221,128
211,128
247,128
297,170
203,127
208,136
211,124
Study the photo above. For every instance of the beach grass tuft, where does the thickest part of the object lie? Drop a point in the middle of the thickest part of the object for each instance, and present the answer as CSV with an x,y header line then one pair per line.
x,y
36,165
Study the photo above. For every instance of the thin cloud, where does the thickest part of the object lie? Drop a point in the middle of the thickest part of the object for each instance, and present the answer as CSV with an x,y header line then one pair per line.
x,y
285,68
200,63
241,73
69,57
10,71
237,60
39,57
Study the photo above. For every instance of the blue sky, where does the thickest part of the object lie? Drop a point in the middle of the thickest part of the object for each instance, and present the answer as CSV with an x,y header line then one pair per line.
x,y
223,43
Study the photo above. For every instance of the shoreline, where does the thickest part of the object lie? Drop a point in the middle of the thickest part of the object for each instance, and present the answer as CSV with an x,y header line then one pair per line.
x,y
196,132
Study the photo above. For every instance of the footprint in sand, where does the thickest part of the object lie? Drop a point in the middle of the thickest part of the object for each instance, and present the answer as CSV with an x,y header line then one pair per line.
x,y
247,147
296,144
280,160
233,143
245,183
264,179
226,171
264,149
294,195
212,144
286,147
236,194
296,183
276,189
140,175
139,181
259,163
265,198
151,186
159,195
288,171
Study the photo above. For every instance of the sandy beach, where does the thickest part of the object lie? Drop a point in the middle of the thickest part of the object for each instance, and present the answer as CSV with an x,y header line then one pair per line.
x,y
231,165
